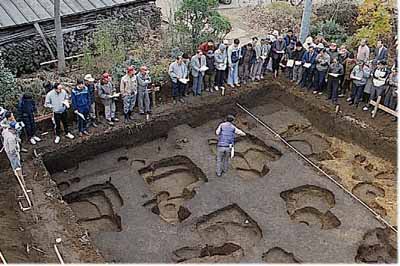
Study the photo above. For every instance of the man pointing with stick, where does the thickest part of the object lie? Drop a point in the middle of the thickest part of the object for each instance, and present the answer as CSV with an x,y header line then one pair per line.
x,y
226,137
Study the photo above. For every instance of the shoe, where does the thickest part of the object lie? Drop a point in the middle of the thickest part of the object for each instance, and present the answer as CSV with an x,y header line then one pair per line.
x,y
80,134
244,82
70,136
86,133
182,100
33,141
94,125
320,93
231,85
142,113
341,95
37,139
348,99
351,103
115,119
365,108
237,85
57,140
262,77
216,88
219,175
222,88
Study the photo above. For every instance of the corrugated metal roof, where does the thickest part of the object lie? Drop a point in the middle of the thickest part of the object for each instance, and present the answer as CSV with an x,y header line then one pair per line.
x,y
18,12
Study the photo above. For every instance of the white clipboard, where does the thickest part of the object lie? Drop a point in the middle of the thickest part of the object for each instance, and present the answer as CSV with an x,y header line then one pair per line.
x,y
290,63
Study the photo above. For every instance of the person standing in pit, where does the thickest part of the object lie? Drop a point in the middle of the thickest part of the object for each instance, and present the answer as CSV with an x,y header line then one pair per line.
x,y
26,111
226,138
107,95
89,83
129,89
80,98
57,100
178,73
143,81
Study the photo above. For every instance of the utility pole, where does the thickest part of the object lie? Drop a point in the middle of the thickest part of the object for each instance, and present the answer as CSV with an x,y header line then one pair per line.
x,y
59,37
305,21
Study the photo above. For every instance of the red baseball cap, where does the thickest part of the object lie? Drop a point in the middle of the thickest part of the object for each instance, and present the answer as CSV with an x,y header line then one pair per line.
x,y
130,69
106,76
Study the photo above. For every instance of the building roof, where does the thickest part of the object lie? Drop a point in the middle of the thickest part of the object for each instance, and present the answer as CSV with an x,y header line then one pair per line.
x,y
19,12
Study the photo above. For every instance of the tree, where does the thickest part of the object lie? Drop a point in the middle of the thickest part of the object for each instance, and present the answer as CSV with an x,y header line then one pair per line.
x,y
199,20
375,20
9,92
305,21
59,37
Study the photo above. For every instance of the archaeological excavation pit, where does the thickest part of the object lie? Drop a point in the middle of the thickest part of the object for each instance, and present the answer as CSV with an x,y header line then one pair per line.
x,y
144,199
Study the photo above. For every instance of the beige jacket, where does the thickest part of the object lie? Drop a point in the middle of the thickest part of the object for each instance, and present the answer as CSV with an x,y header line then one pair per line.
x,y
128,85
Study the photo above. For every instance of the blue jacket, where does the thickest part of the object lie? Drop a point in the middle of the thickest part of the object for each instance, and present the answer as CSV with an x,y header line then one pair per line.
x,y
227,135
26,107
81,100
307,58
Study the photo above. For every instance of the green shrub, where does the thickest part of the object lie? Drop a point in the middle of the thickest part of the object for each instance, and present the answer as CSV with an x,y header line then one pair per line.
x,y
9,92
332,31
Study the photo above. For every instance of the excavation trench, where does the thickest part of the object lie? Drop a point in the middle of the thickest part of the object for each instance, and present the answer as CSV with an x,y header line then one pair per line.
x,y
148,182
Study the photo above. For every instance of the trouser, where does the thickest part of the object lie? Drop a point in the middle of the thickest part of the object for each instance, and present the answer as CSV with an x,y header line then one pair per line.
x,y
197,84
109,109
297,73
256,71
219,78
307,77
58,119
92,111
289,72
333,86
275,63
223,156
357,93
345,86
209,79
30,125
129,103
375,92
390,98
143,101
233,76
82,123
15,160
244,71
319,80
178,90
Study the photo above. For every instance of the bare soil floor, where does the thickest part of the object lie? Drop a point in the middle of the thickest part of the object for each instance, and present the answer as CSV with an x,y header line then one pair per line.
x,y
162,202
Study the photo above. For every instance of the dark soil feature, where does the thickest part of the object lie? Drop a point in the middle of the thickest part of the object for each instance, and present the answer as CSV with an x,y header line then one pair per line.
x,y
310,205
279,255
170,179
95,207
378,246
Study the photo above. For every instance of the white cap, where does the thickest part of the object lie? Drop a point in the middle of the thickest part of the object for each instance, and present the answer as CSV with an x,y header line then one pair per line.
x,y
89,78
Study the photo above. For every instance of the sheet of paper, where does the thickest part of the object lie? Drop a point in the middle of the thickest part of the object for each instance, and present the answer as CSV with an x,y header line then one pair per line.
x,y
334,75
297,63
307,65
290,63
66,103
184,81
203,68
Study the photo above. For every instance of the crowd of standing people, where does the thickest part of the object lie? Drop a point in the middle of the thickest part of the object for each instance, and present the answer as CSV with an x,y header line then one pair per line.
x,y
316,66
